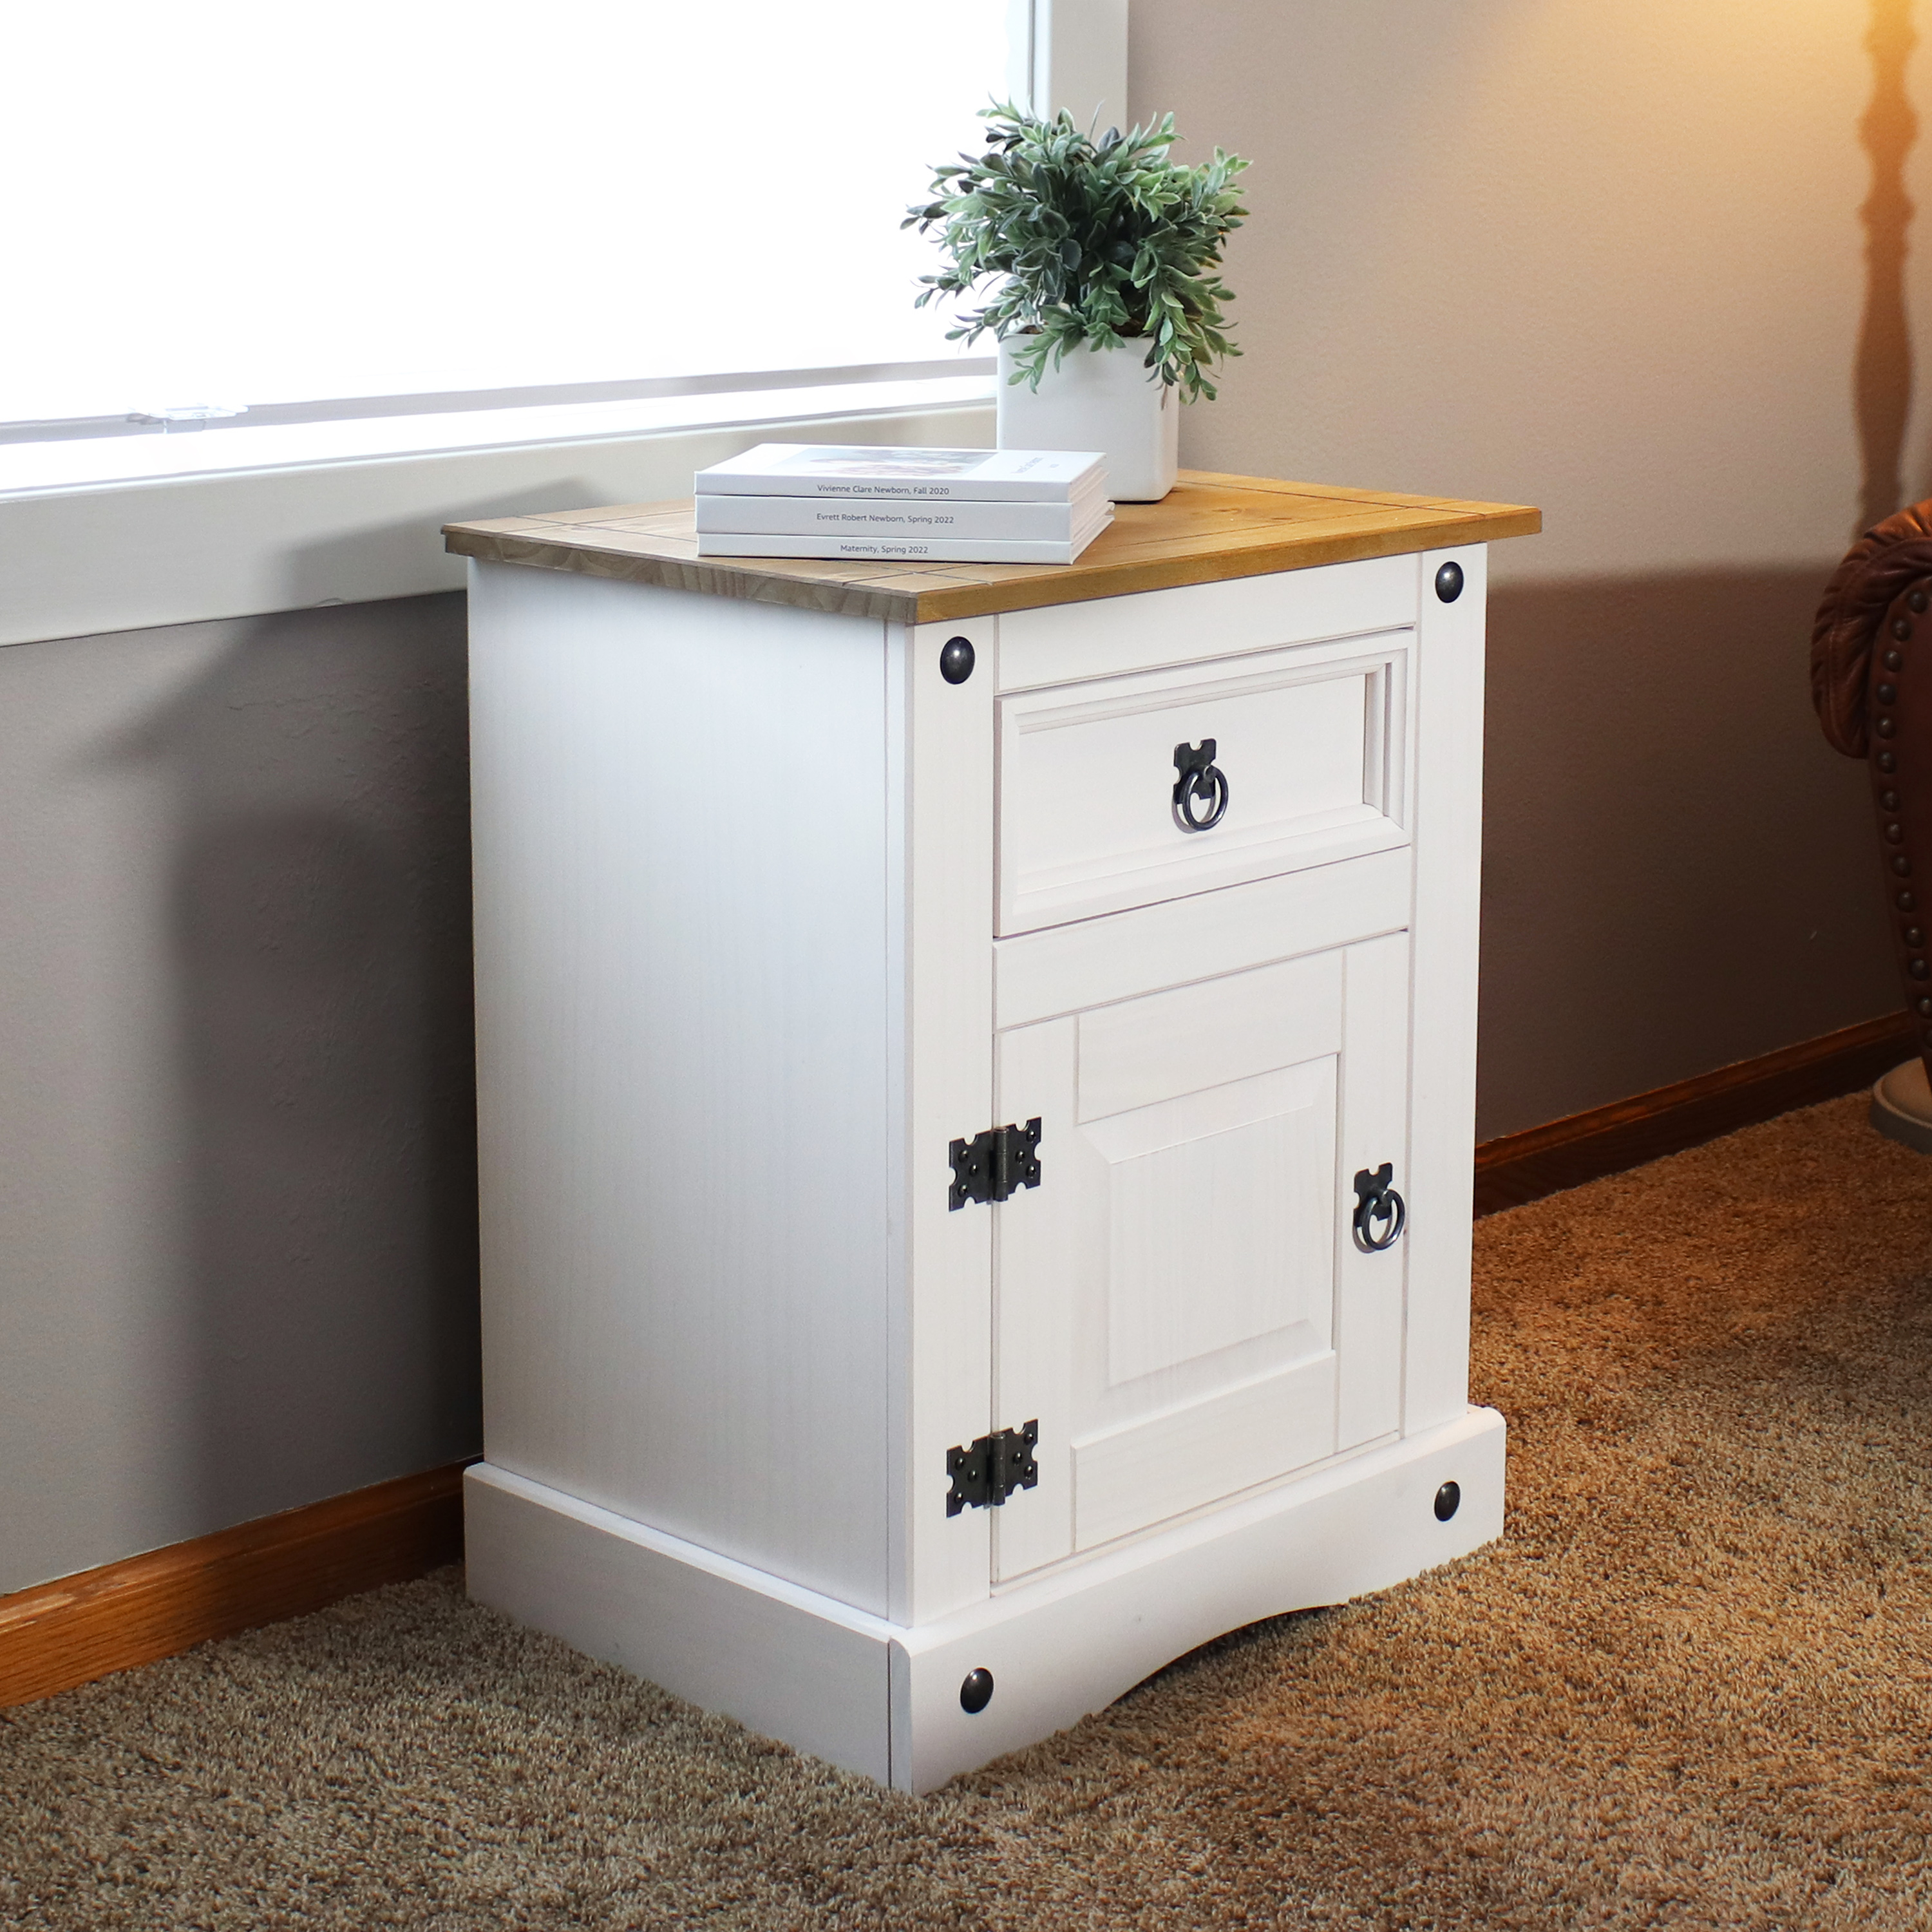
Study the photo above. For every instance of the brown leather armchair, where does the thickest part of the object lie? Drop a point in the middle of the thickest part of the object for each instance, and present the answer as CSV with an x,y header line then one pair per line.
x,y
1871,684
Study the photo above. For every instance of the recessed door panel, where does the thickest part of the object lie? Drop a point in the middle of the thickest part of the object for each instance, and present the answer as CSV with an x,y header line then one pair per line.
x,y
1170,1302
1217,1230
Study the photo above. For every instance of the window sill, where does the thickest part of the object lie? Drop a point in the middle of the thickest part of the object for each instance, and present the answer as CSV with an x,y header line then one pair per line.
x,y
126,533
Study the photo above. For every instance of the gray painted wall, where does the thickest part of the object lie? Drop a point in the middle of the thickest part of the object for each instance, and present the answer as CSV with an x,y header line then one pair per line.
x,y
1609,257
237,1167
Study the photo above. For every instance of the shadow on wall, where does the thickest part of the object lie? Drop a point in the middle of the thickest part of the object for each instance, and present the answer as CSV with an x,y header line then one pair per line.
x,y
1882,374
1678,870
391,550
319,918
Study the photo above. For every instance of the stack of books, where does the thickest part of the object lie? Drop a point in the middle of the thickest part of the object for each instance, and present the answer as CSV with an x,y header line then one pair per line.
x,y
921,505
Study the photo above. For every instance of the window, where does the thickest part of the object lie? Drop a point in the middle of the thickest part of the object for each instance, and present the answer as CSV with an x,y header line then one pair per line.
x,y
229,205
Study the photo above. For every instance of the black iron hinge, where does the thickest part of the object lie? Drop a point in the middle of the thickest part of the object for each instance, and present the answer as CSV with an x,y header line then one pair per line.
x,y
994,1165
987,1473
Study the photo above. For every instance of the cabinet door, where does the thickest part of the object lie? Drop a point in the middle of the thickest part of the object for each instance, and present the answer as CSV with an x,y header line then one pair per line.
x,y
1181,1303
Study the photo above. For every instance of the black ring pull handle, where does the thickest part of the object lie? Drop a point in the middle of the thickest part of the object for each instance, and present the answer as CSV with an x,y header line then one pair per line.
x,y
1377,1201
1202,781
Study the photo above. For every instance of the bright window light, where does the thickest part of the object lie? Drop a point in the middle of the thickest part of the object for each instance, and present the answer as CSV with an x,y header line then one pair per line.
x,y
222,205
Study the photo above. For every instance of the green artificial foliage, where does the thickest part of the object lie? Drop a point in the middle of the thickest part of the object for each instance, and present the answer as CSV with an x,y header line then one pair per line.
x,y
1093,241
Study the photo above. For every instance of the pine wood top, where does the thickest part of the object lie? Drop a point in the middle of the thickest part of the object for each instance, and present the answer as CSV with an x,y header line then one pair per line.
x,y
1210,527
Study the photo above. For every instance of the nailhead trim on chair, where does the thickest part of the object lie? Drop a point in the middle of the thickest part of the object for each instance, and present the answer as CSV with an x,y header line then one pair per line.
x,y
1894,789
1870,709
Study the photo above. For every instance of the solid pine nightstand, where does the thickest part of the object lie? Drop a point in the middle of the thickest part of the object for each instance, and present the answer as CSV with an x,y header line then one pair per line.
x,y
976,1070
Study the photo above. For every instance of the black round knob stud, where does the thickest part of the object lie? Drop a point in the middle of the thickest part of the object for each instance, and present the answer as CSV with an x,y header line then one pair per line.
x,y
955,666
1901,628
1449,583
1448,1500
1918,600
976,1693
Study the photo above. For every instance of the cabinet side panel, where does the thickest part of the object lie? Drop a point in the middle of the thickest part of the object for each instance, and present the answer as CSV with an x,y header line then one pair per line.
x,y
1442,1028
679,807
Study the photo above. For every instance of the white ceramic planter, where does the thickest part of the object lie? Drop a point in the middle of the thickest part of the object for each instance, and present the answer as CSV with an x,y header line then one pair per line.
x,y
1099,399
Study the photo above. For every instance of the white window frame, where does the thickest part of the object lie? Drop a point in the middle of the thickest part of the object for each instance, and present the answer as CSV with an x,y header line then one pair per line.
x,y
1078,58
128,533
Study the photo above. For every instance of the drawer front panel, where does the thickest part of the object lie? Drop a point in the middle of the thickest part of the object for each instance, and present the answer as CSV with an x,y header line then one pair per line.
x,y
1311,742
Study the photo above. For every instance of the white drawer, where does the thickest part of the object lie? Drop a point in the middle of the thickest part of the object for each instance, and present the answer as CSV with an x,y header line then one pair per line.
x,y
1312,743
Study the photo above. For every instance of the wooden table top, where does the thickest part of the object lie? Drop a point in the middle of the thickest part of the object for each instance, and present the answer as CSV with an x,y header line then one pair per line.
x,y
1209,528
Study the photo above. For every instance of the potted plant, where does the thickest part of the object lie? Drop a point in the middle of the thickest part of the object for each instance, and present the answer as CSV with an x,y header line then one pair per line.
x,y
1104,257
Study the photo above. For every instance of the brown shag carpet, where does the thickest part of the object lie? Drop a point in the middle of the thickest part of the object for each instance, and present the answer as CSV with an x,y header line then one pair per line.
x,y
1693,1686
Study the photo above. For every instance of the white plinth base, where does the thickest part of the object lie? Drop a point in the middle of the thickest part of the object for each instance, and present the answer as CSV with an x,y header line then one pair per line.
x,y
1901,1105
883,1699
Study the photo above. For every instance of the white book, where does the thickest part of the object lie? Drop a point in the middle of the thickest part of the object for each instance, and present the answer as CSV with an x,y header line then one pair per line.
x,y
896,517
972,475
904,550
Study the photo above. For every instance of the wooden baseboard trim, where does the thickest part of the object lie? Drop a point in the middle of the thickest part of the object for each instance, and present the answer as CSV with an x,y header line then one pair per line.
x,y
71,1631
1607,1140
